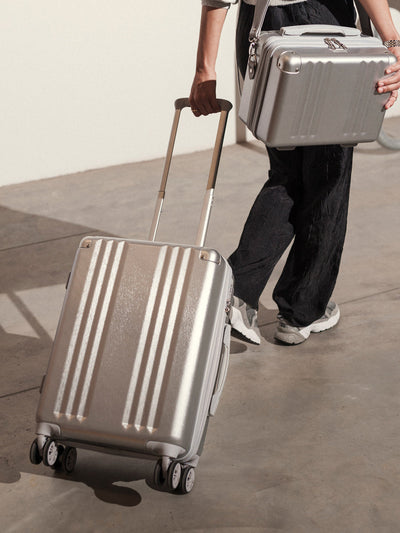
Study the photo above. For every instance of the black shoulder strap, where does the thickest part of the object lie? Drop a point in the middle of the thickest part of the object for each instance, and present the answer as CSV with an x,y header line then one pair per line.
x,y
365,22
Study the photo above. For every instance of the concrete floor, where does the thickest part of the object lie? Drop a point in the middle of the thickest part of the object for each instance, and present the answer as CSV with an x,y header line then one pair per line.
x,y
306,439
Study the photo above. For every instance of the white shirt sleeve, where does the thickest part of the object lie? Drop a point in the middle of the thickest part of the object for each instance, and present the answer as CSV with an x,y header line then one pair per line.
x,y
218,3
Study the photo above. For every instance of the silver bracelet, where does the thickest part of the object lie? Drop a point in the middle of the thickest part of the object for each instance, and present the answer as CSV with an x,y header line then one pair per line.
x,y
391,43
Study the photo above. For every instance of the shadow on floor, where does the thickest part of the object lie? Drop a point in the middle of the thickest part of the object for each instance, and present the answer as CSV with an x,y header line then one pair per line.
x,y
36,251
105,475
36,256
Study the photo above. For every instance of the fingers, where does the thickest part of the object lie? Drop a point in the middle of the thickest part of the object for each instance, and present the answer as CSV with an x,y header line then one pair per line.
x,y
392,80
390,85
203,98
392,99
393,68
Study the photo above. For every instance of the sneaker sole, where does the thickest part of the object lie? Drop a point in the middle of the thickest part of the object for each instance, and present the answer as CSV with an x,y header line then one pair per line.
x,y
239,326
317,327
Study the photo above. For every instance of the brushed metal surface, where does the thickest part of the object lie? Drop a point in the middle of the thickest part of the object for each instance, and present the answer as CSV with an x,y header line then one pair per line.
x,y
137,350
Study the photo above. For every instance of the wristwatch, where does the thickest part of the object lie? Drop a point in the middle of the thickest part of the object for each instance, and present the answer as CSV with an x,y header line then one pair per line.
x,y
392,43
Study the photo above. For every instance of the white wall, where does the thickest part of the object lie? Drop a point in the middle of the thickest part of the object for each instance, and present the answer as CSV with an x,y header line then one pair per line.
x,y
91,83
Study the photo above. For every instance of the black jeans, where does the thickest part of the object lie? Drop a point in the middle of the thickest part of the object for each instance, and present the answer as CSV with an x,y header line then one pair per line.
x,y
305,198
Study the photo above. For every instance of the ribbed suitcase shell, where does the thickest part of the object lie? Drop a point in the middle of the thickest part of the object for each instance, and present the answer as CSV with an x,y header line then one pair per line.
x,y
305,93
136,363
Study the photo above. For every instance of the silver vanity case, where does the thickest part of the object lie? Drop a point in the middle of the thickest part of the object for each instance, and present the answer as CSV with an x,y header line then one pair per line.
x,y
314,85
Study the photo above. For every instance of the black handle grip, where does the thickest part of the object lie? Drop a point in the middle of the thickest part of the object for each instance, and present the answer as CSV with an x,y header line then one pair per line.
x,y
181,103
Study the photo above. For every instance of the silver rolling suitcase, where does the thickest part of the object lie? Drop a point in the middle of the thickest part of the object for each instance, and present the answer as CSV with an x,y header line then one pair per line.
x,y
315,84
142,347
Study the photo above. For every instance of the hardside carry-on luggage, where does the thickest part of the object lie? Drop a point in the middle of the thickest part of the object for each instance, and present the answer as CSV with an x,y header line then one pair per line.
x,y
142,347
313,84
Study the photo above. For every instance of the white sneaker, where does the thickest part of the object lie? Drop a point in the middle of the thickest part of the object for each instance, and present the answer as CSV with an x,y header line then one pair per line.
x,y
244,320
289,334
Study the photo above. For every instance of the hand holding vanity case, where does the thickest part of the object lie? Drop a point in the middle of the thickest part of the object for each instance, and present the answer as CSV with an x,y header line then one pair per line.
x,y
313,84
142,347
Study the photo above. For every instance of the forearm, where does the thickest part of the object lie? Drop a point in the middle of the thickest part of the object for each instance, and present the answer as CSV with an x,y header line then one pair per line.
x,y
203,93
379,13
212,21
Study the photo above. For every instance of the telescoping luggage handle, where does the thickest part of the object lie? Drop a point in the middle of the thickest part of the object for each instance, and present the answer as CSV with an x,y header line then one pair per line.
x,y
180,104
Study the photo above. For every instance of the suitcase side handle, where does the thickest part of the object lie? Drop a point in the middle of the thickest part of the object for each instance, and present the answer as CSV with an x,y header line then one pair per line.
x,y
180,104
222,370
320,29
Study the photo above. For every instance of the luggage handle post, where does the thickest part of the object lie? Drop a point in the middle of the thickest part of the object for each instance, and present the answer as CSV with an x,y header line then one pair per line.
x,y
180,104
